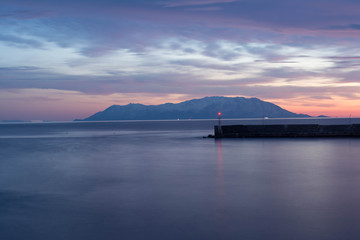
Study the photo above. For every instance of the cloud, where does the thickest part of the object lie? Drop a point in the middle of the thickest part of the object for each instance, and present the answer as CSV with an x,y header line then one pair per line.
x,y
130,26
180,3
25,15
345,57
222,51
205,9
20,41
344,62
344,27
18,69
267,49
201,64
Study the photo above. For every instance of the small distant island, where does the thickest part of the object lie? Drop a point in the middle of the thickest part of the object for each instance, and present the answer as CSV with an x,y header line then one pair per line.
x,y
204,108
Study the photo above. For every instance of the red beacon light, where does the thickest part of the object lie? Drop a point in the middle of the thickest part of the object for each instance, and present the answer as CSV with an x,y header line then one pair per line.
x,y
219,115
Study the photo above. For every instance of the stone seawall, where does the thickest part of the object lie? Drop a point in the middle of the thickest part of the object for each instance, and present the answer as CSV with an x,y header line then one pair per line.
x,y
295,130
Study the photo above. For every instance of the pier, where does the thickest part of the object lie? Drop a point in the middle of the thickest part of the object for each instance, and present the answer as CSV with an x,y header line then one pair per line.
x,y
286,130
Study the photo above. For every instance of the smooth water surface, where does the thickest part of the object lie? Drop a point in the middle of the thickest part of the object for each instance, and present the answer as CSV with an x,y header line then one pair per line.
x,y
162,180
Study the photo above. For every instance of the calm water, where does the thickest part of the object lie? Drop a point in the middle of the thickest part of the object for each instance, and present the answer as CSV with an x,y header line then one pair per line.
x,y
162,180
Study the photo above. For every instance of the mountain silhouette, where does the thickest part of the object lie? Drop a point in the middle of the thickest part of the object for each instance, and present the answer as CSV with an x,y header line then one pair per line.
x,y
204,108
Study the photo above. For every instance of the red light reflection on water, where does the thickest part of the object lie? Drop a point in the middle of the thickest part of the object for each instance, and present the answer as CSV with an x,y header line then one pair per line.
x,y
220,172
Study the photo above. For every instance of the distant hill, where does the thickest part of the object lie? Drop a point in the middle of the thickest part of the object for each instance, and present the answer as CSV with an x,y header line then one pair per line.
x,y
13,121
204,108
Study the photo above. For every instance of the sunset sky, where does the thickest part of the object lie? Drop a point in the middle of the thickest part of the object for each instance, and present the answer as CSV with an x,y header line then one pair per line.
x,y
61,60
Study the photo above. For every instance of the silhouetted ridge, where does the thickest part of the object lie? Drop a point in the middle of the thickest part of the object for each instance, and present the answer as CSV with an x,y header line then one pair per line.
x,y
204,108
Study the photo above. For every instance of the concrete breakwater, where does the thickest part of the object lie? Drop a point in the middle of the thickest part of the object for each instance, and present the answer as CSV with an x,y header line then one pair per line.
x,y
287,130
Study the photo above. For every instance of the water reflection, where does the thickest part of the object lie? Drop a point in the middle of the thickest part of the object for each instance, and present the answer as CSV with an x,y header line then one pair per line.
x,y
172,184
220,172
221,213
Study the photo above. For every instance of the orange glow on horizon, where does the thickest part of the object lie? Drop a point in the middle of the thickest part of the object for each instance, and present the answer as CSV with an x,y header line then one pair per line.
x,y
335,107
50,104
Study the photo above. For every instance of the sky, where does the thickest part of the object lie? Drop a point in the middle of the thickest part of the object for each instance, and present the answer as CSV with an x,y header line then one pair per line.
x,y
62,60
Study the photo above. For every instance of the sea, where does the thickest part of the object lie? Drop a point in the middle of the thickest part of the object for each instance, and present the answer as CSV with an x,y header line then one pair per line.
x,y
144,180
